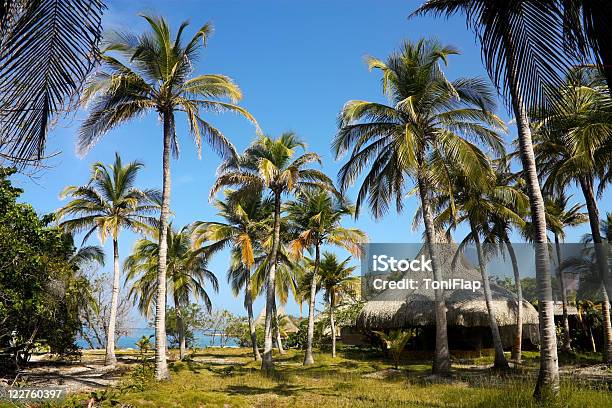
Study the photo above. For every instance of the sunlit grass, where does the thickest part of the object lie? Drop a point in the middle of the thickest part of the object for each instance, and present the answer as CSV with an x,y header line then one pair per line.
x,y
210,380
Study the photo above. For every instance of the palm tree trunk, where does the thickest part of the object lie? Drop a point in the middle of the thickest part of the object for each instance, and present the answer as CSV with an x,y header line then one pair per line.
x,y
586,184
441,363
248,301
518,337
180,327
279,340
548,377
500,359
566,346
267,364
110,358
308,357
332,322
161,365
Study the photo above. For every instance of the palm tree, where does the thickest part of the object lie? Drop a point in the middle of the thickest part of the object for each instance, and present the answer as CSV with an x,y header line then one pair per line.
x,y
187,275
574,146
108,203
47,49
522,53
314,218
429,119
244,214
336,280
269,164
476,202
557,208
156,76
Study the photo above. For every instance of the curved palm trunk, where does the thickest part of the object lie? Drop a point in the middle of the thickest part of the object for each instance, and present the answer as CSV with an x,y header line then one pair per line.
x,y
586,185
161,365
267,364
308,357
180,327
548,376
248,300
332,322
566,346
500,358
441,363
279,340
518,337
110,358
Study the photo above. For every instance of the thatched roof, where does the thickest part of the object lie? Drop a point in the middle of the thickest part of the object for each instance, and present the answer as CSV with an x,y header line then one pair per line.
x,y
465,308
571,309
287,324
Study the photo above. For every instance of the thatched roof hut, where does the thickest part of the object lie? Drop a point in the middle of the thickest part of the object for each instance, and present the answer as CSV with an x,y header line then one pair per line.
x,y
286,323
392,309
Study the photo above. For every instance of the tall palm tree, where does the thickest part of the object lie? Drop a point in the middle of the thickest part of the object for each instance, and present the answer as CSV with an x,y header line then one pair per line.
x,y
47,49
269,164
244,214
186,279
522,50
315,219
574,146
429,118
557,208
108,203
476,202
336,280
156,76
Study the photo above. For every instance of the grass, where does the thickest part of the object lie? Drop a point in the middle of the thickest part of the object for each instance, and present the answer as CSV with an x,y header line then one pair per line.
x,y
228,378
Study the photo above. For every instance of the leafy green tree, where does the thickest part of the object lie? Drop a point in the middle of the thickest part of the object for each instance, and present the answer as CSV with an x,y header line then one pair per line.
x,y
429,120
156,76
41,290
187,275
269,164
523,66
244,214
315,219
107,204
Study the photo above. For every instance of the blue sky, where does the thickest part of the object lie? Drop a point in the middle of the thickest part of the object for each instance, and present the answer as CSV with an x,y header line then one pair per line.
x,y
297,63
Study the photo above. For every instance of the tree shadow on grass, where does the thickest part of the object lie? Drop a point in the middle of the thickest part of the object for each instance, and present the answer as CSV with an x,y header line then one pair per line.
x,y
283,389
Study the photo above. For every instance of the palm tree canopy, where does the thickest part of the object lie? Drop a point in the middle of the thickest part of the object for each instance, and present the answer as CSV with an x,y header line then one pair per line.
x,y
528,33
314,218
573,137
47,49
560,215
109,202
187,271
430,119
270,164
335,277
153,72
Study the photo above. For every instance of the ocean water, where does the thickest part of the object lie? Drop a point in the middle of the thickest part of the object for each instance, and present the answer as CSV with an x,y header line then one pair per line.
x,y
202,339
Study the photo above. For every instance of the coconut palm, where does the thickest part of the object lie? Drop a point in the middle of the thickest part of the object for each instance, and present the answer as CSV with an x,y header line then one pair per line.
x,y
152,72
244,214
269,164
429,119
187,276
107,204
336,280
522,49
314,218
574,146
557,208
47,49
476,202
